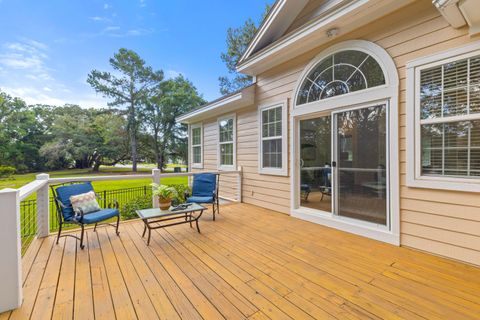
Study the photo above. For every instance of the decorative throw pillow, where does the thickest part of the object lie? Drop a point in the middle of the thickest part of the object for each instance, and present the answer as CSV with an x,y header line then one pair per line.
x,y
85,202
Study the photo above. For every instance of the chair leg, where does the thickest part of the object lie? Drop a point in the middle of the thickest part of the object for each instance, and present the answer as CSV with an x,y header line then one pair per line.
x,y
82,246
118,223
213,209
95,227
59,231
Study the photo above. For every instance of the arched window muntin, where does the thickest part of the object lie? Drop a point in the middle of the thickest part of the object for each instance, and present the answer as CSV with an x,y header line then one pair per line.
x,y
370,52
344,82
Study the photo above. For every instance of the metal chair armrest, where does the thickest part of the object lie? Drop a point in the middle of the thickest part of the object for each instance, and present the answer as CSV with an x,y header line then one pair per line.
x,y
113,204
62,205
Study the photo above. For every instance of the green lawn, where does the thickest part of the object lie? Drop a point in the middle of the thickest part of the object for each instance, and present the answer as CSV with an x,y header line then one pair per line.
x,y
22,179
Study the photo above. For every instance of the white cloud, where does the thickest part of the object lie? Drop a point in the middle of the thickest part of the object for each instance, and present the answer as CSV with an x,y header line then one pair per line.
x,y
139,32
28,55
110,29
32,95
46,95
117,32
172,74
100,19
143,3
107,6
25,73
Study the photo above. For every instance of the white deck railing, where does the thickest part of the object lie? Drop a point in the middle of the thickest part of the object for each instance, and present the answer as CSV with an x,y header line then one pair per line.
x,y
10,231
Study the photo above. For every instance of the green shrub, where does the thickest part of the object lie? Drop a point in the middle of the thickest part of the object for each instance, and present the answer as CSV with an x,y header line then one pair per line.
x,y
6,172
181,190
128,210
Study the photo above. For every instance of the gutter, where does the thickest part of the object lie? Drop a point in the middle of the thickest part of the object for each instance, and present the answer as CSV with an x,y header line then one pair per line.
x,y
459,13
223,105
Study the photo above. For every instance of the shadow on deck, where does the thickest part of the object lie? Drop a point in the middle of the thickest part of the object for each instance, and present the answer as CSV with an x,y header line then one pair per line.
x,y
250,263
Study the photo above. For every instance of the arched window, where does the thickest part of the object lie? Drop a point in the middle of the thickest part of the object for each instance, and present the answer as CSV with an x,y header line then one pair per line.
x,y
340,73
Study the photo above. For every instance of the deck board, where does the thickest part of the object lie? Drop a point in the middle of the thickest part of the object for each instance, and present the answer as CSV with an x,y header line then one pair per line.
x,y
252,263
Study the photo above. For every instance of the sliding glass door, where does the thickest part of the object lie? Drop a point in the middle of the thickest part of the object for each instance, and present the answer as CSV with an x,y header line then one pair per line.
x,y
361,164
344,164
315,163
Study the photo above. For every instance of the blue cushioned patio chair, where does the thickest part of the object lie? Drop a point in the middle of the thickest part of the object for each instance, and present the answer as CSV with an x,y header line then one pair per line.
x,y
66,215
326,188
205,190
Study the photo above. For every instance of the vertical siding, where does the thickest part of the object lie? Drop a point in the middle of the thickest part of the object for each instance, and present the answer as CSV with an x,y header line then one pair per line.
x,y
441,222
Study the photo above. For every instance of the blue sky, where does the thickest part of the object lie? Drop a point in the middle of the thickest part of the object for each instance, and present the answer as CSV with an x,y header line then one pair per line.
x,y
47,48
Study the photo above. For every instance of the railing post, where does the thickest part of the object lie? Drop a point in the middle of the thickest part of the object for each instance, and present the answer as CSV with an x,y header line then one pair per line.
x,y
43,208
239,184
10,249
156,179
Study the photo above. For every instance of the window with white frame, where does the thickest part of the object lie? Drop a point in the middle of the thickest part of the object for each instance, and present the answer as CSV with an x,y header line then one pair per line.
x,y
446,129
197,152
226,142
273,140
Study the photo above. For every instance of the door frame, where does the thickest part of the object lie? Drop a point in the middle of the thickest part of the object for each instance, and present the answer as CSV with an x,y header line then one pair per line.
x,y
388,94
335,170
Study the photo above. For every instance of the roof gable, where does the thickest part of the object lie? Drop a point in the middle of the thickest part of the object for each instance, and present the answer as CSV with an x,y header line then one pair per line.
x,y
310,11
307,31
278,20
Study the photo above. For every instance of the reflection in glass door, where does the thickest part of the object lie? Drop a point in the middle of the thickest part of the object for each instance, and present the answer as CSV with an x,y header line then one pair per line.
x,y
315,160
361,157
352,181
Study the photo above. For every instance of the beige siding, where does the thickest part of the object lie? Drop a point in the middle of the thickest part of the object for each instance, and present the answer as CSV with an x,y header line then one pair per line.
x,y
228,182
259,189
441,222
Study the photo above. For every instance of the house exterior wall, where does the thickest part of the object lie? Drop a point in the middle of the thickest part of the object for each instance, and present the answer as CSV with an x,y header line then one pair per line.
x,y
268,191
442,222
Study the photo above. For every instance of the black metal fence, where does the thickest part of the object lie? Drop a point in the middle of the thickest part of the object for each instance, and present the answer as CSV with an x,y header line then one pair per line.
x,y
28,210
28,222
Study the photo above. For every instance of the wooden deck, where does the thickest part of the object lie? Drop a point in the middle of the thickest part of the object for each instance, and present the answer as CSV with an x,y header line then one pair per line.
x,y
250,263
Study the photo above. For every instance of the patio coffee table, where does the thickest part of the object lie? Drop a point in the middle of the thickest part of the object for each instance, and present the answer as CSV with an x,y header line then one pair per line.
x,y
153,218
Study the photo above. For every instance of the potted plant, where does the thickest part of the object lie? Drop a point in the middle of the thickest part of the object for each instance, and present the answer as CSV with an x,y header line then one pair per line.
x,y
165,195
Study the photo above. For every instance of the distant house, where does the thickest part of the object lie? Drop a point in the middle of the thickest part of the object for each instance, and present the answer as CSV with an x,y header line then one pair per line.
x,y
364,116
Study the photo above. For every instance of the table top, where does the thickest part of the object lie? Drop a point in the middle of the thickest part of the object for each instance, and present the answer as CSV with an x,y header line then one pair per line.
x,y
156,212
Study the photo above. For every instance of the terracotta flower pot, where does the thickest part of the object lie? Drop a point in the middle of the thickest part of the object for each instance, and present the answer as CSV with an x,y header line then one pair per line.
x,y
164,204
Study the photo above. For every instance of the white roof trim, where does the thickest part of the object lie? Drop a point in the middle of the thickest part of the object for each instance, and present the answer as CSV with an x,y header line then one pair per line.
x,y
278,20
347,17
223,105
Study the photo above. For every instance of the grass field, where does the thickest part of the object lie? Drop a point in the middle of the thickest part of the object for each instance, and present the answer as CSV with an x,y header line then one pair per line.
x,y
20,180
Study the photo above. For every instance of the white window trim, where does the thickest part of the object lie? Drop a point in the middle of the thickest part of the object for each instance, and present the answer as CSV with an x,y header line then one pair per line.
x,y
283,171
414,178
388,92
234,165
196,126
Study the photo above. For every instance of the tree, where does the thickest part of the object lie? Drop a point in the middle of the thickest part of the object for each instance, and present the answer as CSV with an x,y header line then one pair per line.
x,y
130,90
238,40
22,131
173,98
86,138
